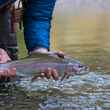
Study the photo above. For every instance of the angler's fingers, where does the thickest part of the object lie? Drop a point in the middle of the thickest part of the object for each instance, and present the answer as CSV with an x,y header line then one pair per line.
x,y
12,72
55,74
60,54
3,77
48,73
43,73
51,74
8,73
38,77
1,74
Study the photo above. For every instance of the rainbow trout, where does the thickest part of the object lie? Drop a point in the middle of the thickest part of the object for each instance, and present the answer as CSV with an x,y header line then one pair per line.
x,y
33,65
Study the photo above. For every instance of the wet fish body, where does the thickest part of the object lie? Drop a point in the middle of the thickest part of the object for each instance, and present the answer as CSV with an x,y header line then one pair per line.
x,y
33,66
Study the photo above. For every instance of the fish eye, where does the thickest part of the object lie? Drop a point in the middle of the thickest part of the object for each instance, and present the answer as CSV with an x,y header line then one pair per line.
x,y
81,66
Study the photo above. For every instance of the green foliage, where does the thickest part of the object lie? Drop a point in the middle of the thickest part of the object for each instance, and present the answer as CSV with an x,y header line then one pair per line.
x,y
21,44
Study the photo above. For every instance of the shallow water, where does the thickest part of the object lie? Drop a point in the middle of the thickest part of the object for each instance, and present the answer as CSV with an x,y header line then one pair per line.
x,y
81,29
86,92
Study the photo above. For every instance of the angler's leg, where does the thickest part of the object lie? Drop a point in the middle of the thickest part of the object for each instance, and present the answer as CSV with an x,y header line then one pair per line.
x,y
37,23
8,39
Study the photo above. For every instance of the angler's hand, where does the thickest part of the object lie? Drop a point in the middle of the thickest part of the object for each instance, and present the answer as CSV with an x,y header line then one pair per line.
x,y
48,73
59,54
6,73
4,56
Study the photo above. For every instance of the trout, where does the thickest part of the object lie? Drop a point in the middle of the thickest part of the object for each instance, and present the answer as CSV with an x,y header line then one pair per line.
x,y
32,66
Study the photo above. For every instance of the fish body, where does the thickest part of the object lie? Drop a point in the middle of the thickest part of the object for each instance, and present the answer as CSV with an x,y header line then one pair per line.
x,y
33,66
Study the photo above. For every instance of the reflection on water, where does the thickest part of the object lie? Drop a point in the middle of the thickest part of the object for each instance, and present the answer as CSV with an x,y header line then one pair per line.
x,y
80,28
85,92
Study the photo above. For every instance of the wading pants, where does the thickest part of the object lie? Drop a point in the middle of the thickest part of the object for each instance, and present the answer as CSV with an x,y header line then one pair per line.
x,y
37,23
8,39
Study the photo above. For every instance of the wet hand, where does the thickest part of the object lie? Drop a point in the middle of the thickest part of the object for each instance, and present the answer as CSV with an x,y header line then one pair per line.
x,y
6,73
4,56
59,54
48,73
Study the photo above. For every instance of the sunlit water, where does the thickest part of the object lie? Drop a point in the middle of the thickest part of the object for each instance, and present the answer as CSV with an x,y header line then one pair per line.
x,y
81,29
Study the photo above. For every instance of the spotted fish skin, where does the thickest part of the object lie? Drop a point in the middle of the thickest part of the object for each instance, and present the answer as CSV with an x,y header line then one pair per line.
x,y
32,66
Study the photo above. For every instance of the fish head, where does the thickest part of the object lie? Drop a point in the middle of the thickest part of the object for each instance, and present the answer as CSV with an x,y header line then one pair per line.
x,y
80,69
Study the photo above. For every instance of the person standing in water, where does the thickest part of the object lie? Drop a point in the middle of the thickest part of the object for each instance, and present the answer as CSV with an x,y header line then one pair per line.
x,y
37,18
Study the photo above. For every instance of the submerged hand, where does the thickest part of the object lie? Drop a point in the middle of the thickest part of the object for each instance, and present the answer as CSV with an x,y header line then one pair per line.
x,y
48,73
6,74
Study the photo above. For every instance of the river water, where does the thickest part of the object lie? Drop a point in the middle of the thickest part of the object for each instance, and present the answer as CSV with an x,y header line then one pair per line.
x,y
81,29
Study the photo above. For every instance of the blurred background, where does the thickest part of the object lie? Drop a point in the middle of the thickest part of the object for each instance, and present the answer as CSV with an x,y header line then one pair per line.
x,y
81,28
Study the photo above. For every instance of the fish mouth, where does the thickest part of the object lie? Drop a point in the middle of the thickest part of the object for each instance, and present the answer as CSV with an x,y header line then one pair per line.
x,y
82,69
